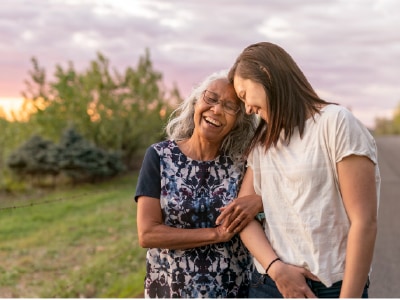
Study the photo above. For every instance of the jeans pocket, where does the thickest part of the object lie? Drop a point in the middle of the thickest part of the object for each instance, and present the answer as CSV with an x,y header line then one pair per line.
x,y
257,279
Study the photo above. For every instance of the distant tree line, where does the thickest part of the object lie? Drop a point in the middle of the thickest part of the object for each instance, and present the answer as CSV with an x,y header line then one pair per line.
x,y
113,117
386,126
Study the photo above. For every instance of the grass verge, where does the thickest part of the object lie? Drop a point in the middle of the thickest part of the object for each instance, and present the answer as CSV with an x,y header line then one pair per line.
x,y
72,243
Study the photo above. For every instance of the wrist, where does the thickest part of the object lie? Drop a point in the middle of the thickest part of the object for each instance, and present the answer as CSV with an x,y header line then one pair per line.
x,y
268,269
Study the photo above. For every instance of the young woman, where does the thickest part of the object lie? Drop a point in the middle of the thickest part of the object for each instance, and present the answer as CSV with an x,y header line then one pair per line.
x,y
315,166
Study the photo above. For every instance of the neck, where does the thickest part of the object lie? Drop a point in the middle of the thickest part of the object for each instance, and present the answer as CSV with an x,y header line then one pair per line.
x,y
199,149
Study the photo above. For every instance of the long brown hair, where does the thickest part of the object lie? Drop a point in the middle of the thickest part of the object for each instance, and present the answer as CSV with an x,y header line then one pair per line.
x,y
291,98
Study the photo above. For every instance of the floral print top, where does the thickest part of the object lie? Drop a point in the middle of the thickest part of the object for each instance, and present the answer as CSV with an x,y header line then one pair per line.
x,y
191,193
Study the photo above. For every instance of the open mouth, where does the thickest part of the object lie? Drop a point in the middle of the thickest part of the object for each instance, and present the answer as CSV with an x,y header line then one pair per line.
x,y
212,122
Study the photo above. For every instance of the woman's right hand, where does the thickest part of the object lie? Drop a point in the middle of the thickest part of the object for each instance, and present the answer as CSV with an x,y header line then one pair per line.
x,y
291,280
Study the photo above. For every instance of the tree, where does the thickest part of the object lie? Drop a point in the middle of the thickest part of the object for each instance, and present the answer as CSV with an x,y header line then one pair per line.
x,y
385,126
36,158
75,157
13,134
123,112
80,160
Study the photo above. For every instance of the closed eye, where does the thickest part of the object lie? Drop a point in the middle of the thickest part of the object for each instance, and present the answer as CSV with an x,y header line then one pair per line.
x,y
242,96
232,106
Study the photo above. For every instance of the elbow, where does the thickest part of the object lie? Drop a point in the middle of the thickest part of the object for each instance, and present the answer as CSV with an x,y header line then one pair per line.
x,y
367,228
142,242
144,239
150,234
372,225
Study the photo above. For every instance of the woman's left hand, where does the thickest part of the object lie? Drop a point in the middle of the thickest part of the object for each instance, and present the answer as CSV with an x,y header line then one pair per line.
x,y
237,214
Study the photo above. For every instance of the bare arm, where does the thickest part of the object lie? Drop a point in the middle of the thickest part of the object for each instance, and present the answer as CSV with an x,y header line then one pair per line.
x,y
358,188
289,279
153,233
240,212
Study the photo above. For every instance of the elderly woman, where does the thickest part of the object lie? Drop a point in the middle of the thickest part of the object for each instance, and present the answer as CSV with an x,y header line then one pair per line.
x,y
183,184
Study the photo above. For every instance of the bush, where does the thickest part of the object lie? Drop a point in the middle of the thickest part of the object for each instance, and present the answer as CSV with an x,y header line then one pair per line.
x,y
74,157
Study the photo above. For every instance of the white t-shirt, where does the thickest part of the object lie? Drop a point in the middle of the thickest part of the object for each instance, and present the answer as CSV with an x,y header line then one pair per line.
x,y
306,222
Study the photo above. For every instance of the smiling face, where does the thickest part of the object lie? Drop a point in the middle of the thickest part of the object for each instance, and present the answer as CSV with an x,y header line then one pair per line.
x,y
211,121
253,95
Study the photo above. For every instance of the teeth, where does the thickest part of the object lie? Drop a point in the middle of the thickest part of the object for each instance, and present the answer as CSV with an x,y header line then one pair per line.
x,y
212,121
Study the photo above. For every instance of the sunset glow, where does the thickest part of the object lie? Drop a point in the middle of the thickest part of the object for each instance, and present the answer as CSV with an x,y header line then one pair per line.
x,y
338,44
11,107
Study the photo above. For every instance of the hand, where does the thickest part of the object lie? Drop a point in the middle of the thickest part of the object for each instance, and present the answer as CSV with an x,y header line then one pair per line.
x,y
223,235
291,280
237,214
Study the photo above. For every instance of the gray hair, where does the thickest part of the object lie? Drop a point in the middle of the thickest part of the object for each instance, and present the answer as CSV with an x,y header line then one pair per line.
x,y
180,125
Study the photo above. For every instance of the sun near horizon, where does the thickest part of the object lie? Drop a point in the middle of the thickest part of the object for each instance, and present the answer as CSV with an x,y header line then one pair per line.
x,y
11,106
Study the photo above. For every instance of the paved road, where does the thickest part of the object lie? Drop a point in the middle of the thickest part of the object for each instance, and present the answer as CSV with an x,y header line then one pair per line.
x,y
386,265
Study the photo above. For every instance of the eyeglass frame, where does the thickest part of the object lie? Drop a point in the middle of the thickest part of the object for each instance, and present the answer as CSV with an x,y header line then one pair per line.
x,y
222,102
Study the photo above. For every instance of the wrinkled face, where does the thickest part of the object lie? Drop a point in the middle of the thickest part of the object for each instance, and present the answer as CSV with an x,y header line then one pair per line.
x,y
253,95
213,116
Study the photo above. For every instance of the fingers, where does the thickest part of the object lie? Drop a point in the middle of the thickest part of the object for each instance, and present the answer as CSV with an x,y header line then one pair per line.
x,y
236,215
309,294
291,281
235,225
229,214
310,275
225,212
238,224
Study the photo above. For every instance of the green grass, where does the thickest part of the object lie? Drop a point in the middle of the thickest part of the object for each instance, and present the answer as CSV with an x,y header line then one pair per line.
x,y
71,243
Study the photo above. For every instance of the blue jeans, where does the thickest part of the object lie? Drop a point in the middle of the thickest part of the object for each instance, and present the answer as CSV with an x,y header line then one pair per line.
x,y
262,286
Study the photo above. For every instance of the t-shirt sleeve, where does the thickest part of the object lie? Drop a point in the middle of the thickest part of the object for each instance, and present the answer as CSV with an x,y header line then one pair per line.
x,y
352,137
149,180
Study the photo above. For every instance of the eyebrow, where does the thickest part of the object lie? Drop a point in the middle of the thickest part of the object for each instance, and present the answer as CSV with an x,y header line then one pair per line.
x,y
218,96
213,93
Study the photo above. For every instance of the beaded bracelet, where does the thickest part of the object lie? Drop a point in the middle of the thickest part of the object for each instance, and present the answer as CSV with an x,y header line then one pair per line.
x,y
270,264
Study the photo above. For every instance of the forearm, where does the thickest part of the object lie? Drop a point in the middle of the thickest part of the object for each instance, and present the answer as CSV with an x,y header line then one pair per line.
x,y
254,238
163,236
359,254
289,279
236,215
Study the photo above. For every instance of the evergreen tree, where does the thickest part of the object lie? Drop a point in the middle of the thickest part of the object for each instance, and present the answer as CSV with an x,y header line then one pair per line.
x,y
81,160
36,158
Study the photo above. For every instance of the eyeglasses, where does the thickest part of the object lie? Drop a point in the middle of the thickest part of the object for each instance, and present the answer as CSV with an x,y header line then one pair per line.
x,y
229,107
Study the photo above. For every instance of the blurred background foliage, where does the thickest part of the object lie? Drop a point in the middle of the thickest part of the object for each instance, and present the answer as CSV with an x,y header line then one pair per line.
x,y
113,115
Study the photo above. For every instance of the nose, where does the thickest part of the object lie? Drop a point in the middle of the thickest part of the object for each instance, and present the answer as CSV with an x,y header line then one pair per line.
x,y
217,108
249,110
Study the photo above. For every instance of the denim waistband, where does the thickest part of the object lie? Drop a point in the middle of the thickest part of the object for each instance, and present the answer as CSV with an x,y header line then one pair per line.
x,y
318,284
312,283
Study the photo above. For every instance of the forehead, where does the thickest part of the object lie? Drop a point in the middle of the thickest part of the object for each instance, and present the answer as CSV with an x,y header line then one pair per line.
x,y
238,82
223,88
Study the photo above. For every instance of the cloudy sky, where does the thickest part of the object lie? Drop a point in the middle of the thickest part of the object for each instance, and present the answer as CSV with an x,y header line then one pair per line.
x,y
348,49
